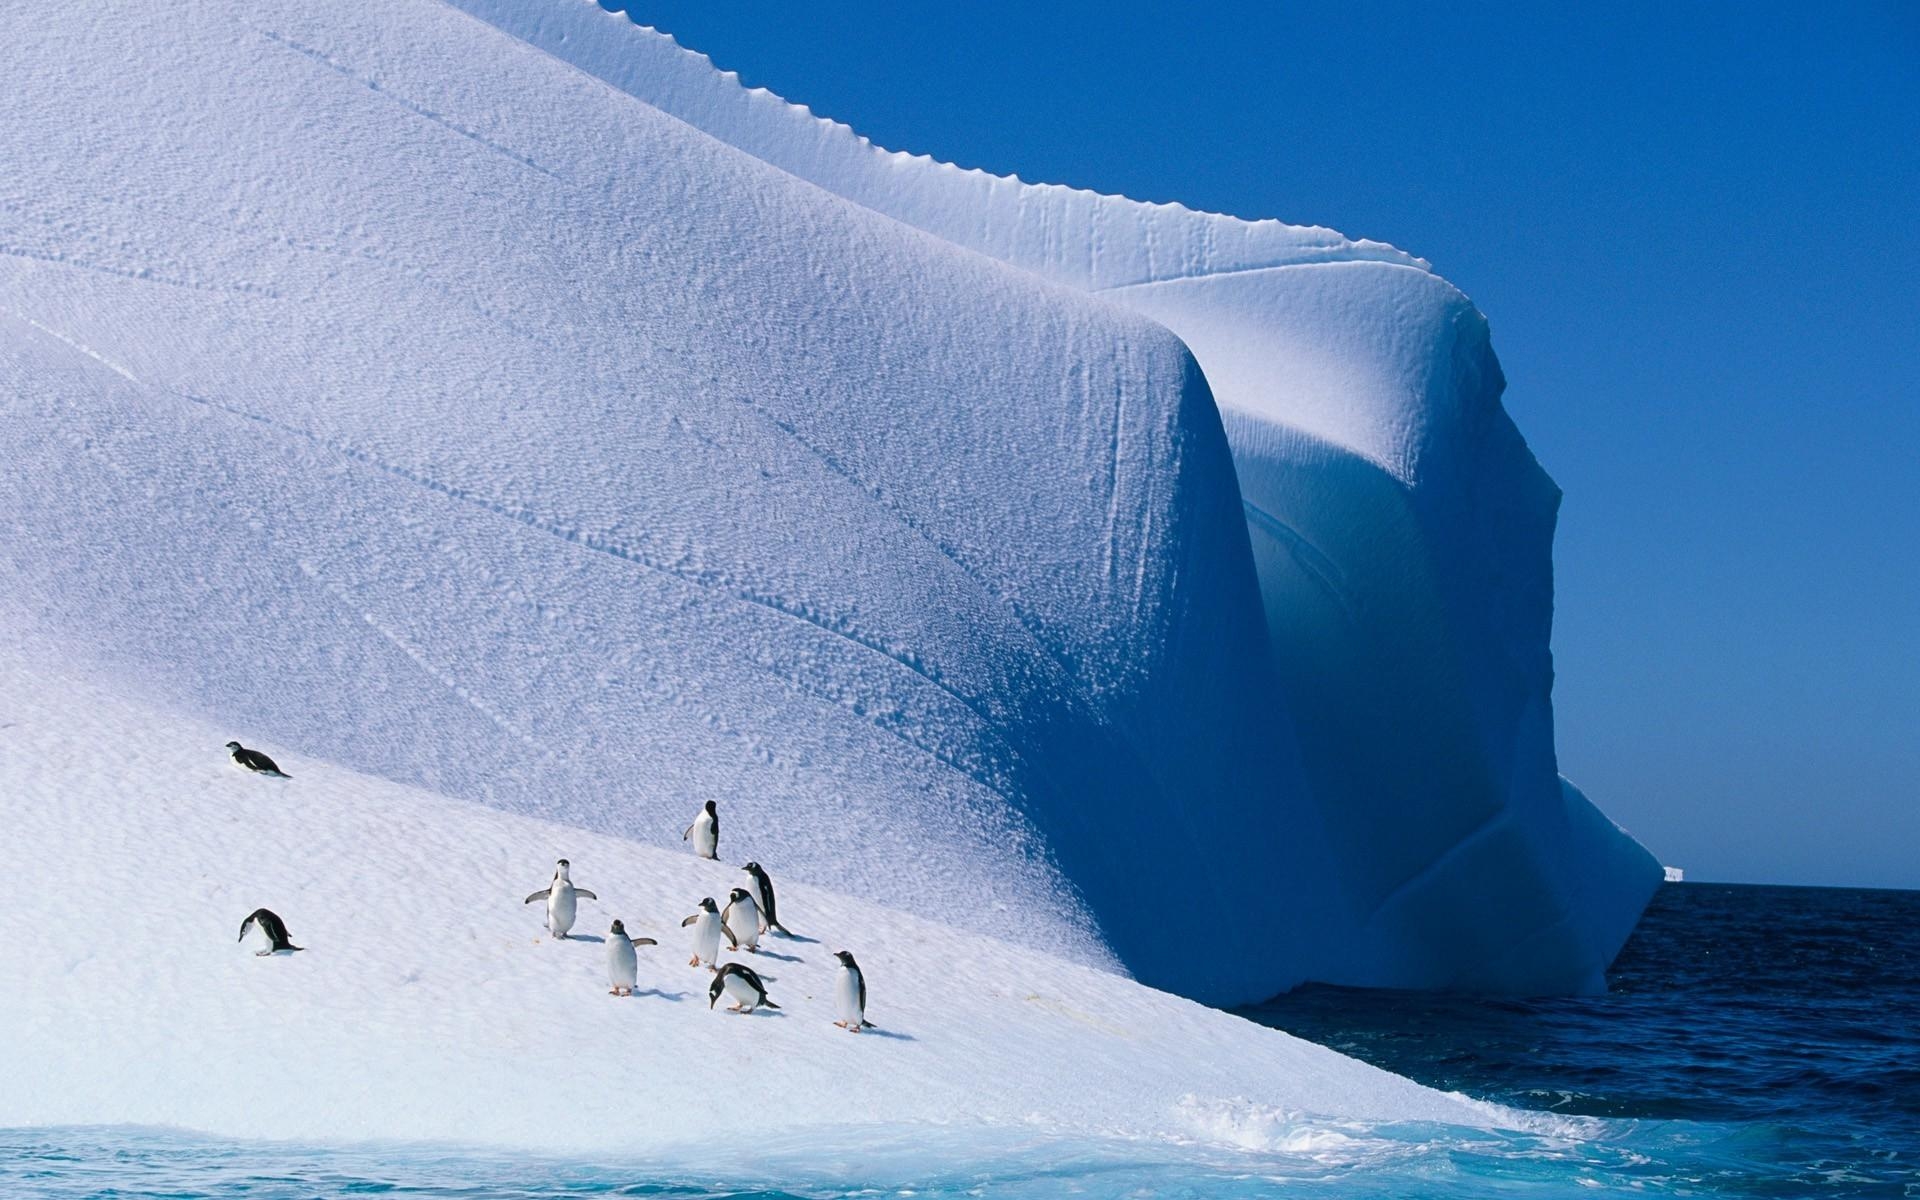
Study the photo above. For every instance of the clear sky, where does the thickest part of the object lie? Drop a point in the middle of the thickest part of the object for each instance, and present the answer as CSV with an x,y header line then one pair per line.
x,y
1695,231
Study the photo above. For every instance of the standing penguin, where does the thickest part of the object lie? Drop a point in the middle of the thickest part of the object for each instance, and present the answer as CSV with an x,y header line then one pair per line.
x,y
741,921
273,927
706,933
763,896
705,832
562,898
850,994
623,966
742,986
253,760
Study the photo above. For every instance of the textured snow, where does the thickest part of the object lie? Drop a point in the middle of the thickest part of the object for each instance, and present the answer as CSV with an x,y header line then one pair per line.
x,y
1401,528
520,464
428,1003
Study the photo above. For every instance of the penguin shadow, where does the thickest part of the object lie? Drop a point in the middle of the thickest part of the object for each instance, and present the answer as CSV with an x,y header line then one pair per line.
x,y
766,953
892,1035
676,997
581,937
794,937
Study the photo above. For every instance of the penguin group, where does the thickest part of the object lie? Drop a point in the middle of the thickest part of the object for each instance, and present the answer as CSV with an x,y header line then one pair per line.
x,y
750,913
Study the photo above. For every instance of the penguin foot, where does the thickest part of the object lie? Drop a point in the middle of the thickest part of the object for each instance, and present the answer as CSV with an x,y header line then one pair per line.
x,y
694,961
263,953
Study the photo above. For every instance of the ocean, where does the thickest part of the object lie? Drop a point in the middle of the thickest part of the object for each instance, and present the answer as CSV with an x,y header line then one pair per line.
x,y
1754,1041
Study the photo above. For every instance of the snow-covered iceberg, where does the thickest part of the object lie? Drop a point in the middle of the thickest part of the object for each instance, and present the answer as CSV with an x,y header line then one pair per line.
x,y
382,389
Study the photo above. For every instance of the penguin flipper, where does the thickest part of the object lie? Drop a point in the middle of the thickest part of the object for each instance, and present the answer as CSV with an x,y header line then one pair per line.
x,y
690,920
645,942
687,832
539,895
727,929
580,891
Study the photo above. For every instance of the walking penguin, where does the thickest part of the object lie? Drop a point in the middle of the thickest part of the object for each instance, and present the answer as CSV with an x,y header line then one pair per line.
x,y
762,890
850,994
741,921
562,898
706,933
704,833
623,966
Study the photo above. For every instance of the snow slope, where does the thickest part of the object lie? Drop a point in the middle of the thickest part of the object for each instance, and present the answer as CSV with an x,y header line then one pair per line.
x,y
1401,529
429,1003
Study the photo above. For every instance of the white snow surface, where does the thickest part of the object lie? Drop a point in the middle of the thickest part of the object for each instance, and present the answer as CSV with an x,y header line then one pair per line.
x,y
428,1003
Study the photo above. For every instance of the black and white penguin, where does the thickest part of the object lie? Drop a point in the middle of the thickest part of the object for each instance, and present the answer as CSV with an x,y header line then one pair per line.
x,y
623,966
740,919
850,994
563,899
763,896
742,986
706,933
704,833
273,927
255,761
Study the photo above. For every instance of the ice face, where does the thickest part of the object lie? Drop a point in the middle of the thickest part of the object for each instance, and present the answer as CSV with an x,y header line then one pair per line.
x,y
1401,528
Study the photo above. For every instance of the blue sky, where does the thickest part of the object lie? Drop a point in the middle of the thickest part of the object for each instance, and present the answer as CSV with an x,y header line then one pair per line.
x,y
1695,230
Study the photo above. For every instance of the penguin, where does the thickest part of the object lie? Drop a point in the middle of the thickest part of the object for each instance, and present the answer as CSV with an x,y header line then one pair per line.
x,y
705,832
762,891
255,761
706,934
622,965
742,986
740,919
850,994
562,898
273,927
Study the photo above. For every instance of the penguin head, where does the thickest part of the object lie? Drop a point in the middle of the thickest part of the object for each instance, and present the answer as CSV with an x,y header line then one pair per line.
x,y
711,810
707,903
619,928
846,959
736,895
233,745
715,988
560,868
753,868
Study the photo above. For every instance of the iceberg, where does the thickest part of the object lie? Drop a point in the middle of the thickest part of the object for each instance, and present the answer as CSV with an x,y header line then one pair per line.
x,y
531,434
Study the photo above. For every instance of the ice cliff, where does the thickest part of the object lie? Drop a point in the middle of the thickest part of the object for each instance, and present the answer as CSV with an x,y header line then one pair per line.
x,y
387,391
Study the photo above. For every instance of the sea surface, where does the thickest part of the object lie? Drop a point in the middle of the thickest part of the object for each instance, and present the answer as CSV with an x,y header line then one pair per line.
x,y
1753,1042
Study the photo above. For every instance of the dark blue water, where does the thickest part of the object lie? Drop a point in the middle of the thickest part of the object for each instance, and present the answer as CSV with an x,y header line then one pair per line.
x,y
1789,1017
1754,1042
